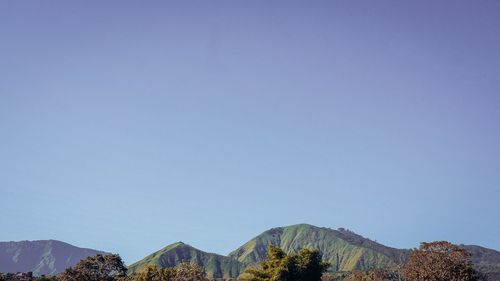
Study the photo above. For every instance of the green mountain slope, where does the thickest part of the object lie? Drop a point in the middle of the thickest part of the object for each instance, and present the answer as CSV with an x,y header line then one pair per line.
x,y
343,249
41,257
217,266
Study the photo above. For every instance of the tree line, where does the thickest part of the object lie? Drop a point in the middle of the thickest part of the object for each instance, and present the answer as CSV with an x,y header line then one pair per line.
x,y
435,261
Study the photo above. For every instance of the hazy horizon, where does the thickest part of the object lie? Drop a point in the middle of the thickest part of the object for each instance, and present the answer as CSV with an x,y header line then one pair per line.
x,y
128,126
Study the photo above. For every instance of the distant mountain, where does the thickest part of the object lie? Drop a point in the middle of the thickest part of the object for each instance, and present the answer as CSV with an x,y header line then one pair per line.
x,y
486,260
216,266
343,249
41,257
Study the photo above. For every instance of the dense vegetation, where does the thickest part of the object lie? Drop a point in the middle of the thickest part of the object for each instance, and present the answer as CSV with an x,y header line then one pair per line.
x,y
182,272
304,265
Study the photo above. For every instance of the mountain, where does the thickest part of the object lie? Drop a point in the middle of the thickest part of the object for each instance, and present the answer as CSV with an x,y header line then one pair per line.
x,y
343,249
216,266
41,257
486,260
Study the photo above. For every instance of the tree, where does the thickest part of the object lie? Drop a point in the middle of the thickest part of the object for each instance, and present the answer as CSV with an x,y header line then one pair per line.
x,y
182,272
46,278
374,275
154,273
96,268
440,261
327,276
305,265
189,272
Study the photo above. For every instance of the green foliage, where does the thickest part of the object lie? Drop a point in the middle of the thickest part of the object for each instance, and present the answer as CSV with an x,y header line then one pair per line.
x,y
305,265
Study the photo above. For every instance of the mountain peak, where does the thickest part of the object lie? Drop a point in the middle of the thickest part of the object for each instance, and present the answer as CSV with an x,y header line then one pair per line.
x,y
177,244
217,266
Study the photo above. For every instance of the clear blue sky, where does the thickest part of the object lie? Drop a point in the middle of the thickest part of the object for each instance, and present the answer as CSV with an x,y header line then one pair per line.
x,y
128,125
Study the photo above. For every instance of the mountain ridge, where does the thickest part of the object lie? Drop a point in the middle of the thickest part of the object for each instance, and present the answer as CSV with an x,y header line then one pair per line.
x,y
42,257
344,249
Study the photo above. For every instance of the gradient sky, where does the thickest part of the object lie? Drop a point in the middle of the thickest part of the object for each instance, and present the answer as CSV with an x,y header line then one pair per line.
x,y
129,125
